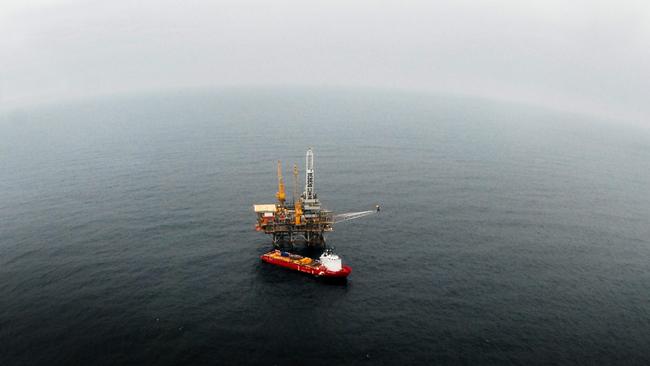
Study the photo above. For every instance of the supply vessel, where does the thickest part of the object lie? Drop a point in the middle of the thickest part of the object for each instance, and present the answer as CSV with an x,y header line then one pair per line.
x,y
302,220
328,265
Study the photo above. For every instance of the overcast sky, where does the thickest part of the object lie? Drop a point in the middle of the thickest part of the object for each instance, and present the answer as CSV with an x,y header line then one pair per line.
x,y
585,56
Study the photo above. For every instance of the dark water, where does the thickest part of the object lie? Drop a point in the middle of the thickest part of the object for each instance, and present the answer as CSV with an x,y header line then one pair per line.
x,y
508,235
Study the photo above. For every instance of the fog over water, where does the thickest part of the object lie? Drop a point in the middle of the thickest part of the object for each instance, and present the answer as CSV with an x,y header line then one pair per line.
x,y
586,56
508,235
508,143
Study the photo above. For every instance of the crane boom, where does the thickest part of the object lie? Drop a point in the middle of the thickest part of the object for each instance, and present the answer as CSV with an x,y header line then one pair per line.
x,y
280,195
352,215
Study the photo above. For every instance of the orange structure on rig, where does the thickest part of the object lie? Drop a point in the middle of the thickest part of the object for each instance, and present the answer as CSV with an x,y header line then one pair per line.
x,y
303,220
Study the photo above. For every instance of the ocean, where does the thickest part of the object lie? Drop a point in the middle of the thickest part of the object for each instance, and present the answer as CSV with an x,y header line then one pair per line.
x,y
508,234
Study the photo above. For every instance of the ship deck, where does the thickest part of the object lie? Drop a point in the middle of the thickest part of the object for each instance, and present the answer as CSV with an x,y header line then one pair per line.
x,y
276,254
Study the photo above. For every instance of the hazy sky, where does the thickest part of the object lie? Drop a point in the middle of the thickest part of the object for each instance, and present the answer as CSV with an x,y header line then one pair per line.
x,y
586,56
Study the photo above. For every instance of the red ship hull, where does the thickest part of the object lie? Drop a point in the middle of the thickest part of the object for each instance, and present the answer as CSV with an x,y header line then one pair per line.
x,y
317,269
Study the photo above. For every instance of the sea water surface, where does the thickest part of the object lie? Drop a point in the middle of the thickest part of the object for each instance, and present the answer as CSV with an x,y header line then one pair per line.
x,y
508,234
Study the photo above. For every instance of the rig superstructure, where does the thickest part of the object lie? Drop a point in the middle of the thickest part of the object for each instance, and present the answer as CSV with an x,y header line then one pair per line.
x,y
303,219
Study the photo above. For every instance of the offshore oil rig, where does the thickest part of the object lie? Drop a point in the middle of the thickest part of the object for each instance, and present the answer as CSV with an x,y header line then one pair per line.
x,y
303,219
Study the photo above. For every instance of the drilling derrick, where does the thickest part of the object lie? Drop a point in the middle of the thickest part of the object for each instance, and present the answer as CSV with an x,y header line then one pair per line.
x,y
309,175
305,221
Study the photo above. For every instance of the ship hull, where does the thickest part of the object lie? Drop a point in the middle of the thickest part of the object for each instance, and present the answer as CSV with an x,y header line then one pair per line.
x,y
318,271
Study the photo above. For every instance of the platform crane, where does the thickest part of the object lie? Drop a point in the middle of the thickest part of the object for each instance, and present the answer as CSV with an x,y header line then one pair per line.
x,y
280,195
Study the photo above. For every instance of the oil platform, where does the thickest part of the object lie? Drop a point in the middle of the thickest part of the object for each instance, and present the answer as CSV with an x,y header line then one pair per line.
x,y
303,219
